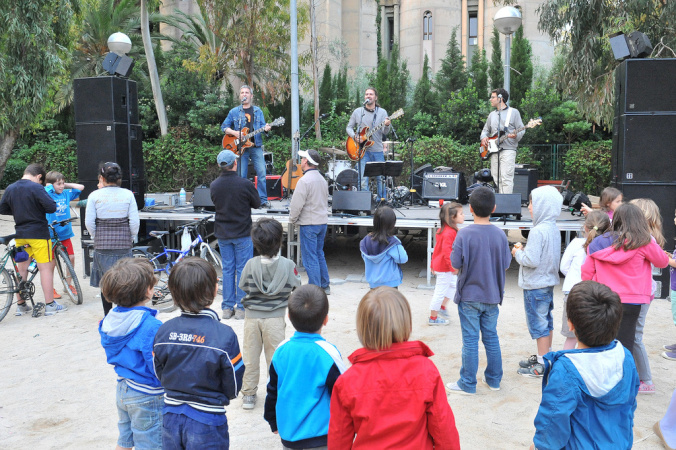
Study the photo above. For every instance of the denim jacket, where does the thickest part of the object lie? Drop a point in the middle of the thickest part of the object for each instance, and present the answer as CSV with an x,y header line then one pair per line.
x,y
236,120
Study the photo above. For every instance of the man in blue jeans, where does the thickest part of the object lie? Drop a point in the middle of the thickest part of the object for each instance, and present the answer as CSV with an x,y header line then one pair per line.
x,y
233,199
309,210
249,116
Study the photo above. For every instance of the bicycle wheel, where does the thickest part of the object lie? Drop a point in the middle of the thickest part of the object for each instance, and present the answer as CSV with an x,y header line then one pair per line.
x,y
66,271
162,300
212,257
158,267
6,292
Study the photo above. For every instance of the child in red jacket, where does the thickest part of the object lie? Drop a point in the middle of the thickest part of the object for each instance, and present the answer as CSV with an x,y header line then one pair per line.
x,y
392,396
450,216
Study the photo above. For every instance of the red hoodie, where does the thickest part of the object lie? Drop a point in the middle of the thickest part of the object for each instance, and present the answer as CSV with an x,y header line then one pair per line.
x,y
392,399
627,272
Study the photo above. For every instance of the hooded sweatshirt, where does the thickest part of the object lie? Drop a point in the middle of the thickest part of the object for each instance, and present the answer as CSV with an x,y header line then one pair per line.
x,y
539,260
127,336
627,272
382,261
588,399
268,283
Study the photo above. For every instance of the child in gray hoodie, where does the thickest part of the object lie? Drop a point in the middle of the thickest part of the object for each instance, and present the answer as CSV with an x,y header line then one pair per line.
x,y
539,273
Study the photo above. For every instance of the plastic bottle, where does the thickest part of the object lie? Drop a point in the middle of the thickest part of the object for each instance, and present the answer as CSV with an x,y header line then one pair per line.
x,y
181,197
33,267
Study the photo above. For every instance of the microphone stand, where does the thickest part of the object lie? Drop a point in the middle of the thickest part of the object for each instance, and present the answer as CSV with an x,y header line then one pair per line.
x,y
239,141
358,136
498,141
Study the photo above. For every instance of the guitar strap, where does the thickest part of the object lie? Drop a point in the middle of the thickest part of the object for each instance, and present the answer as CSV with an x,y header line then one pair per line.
x,y
508,117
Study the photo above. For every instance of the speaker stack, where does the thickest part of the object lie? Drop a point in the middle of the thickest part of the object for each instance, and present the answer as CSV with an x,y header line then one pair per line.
x,y
643,157
107,129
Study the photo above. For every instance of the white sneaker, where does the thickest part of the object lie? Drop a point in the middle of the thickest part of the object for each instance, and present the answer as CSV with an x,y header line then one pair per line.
x,y
437,321
23,308
455,389
54,307
489,386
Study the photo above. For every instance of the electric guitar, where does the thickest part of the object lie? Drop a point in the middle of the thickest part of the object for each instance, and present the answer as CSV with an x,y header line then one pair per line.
x,y
230,142
494,144
356,150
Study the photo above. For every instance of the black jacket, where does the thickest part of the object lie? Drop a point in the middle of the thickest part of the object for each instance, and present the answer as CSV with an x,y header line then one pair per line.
x,y
233,197
28,202
198,361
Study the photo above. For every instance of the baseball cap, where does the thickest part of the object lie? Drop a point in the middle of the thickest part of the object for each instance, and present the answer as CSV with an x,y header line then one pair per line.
x,y
311,155
225,158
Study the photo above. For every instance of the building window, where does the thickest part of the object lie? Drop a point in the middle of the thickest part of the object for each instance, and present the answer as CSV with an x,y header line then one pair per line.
x,y
473,35
427,26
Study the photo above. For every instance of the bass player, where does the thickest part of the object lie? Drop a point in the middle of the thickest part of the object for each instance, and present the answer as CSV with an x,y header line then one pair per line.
x,y
249,116
504,119
370,115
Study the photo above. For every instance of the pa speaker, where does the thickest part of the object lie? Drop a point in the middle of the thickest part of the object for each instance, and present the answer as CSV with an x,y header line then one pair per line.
x,y
105,99
444,185
103,142
643,86
352,202
525,180
507,205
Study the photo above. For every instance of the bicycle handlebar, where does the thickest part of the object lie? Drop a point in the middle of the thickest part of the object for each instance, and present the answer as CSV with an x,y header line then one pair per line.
x,y
195,224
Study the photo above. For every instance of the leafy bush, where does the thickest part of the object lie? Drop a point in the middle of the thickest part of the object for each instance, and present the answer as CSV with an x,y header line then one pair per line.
x,y
587,164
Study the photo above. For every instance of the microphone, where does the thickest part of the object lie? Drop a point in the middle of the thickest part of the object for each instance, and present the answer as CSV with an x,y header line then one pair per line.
x,y
244,99
322,116
367,102
411,139
499,95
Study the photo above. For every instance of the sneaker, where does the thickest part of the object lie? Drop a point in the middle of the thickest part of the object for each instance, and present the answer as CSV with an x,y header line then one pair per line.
x,y
437,321
228,313
489,386
529,362
534,371
23,308
327,290
646,388
56,295
671,356
455,389
670,348
249,402
54,307
239,313
72,289
265,205
444,313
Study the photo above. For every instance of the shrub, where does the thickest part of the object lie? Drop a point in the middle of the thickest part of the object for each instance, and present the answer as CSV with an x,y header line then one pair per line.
x,y
587,164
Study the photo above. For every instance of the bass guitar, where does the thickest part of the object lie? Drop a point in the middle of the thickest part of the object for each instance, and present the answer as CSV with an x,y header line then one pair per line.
x,y
230,142
494,143
355,150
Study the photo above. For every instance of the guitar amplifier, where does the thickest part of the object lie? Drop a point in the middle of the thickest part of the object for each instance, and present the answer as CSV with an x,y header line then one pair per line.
x,y
525,180
444,185
201,198
507,205
273,185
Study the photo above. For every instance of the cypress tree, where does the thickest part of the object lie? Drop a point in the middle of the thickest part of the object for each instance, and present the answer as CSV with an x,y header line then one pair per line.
x,y
496,70
522,75
452,76
326,92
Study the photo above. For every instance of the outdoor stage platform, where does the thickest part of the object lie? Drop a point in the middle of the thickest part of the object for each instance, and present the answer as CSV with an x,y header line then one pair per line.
x,y
423,220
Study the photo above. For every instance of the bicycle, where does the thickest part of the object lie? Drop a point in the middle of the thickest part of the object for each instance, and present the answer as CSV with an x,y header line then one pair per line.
x,y
12,283
163,261
64,267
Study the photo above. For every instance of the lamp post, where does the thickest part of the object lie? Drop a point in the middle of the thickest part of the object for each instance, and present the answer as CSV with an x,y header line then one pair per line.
x,y
507,20
119,43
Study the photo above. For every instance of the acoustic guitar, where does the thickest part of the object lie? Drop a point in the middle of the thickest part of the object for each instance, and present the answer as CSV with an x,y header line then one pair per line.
x,y
494,144
230,142
292,172
355,150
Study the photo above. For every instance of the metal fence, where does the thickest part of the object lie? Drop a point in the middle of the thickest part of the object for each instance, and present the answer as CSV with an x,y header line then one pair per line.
x,y
550,157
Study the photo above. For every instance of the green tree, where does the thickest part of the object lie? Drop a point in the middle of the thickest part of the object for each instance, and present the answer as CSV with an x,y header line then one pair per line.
x,y
391,80
326,91
461,116
424,98
452,76
479,73
521,77
341,91
496,70
34,43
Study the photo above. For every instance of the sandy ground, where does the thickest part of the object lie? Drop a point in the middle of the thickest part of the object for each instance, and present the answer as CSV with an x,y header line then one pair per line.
x,y
57,391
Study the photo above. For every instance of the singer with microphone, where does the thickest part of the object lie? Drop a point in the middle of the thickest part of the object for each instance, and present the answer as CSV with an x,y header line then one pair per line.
x,y
504,119
250,117
370,115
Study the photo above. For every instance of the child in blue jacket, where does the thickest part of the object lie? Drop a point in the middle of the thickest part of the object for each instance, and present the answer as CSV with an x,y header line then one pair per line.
x,y
382,251
589,393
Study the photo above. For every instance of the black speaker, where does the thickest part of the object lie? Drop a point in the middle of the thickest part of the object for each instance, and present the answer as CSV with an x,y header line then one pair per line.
x,y
103,142
507,205
273,185
444,185
201,198
525,180
352,202
418,176
105,99
645,86
664,195
643,148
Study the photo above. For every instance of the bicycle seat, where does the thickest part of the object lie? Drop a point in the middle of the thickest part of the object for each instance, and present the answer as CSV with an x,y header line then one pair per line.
x,y
5,239
158,233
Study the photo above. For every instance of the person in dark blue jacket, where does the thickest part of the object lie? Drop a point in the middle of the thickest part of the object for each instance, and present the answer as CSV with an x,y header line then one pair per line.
x,y
198,362
127,334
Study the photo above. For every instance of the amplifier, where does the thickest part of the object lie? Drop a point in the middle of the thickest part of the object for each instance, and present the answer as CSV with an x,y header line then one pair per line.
x,y
525,180
272,181
444,185
507,205
352,202
201,198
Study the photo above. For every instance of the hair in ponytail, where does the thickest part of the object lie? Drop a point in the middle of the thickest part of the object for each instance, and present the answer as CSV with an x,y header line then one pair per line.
x,y
596,223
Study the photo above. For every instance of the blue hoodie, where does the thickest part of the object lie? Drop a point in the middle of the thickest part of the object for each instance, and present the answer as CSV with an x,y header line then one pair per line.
x,y
382,261
588,399
127,336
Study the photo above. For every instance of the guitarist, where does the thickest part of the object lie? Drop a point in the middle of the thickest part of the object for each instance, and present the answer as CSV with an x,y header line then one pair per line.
x,y
370,115
505,120
249,116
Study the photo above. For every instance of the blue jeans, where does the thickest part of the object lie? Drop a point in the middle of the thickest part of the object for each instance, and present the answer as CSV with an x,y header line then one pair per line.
x,y
140,418
372,157
312,252
234,255
478,317
256,155
539,304
182,432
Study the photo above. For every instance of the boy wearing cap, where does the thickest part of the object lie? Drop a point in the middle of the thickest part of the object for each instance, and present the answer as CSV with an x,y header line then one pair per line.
x,y
309,210
233,198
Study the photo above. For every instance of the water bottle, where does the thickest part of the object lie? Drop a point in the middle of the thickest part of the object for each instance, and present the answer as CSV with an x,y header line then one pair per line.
x,y
33,267
181,197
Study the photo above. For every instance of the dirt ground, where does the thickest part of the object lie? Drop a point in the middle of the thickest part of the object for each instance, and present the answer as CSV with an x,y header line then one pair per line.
x,y
57,391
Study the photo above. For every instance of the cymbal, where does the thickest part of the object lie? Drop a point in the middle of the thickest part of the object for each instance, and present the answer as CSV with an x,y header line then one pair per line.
x,y
333,151
391,142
